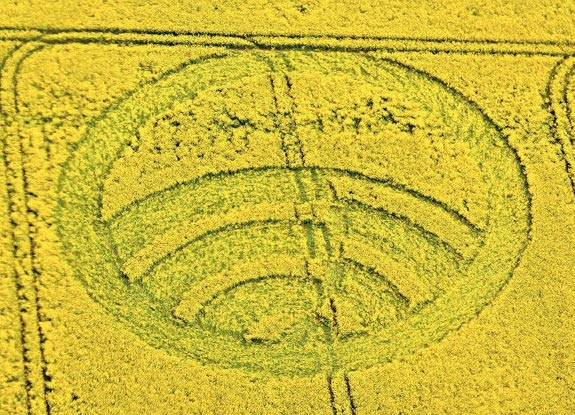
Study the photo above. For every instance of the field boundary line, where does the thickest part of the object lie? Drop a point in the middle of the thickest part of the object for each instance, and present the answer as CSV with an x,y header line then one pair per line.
x,y
14,276
348,43
560,107
25,273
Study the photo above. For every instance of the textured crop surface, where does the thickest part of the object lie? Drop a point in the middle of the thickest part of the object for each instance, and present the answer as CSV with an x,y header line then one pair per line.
x,y
303,216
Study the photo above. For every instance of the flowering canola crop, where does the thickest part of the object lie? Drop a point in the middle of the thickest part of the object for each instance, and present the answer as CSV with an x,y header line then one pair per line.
x,y
280,222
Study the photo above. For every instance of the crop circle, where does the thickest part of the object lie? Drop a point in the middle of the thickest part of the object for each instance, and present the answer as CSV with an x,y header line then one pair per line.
x,y
293,212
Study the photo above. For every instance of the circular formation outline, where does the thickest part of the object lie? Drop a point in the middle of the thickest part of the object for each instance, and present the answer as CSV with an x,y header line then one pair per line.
x,y
80,189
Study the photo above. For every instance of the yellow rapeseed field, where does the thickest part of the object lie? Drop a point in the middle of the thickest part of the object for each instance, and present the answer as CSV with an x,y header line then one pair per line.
x,y
295,207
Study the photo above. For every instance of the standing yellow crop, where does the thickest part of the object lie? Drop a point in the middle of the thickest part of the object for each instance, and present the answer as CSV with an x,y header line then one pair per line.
x,y
300,208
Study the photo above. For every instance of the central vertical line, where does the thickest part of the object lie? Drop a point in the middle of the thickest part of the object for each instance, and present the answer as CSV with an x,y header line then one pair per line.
x,y
291,146
281,87
339,389
339,386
